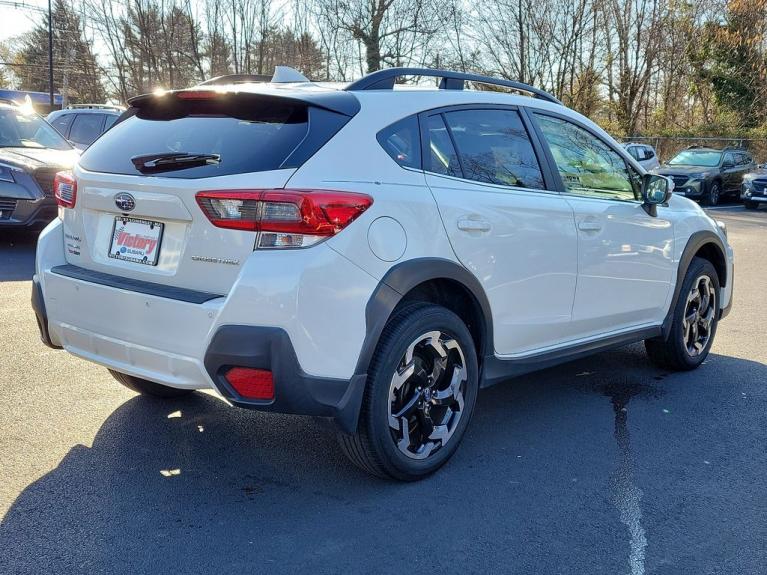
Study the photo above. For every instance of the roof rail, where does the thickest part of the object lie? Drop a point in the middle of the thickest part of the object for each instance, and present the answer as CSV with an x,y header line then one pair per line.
x,y
236,79
385,80
94,106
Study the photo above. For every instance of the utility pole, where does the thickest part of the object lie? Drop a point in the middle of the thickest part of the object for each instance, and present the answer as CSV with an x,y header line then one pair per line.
x,y
50,52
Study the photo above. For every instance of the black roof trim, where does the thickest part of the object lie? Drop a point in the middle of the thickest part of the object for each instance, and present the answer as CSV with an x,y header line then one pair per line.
x,y
333,100
385,80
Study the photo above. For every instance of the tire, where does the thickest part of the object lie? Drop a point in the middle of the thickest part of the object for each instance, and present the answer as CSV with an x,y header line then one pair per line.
x,y
415,413
751,205
689,341
146,387
713,195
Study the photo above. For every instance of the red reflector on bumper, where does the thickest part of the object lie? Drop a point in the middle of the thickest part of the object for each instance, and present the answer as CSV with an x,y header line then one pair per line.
x,y
251,383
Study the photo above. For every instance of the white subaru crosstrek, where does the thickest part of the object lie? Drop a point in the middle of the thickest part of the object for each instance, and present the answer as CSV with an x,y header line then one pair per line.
x,y
370,253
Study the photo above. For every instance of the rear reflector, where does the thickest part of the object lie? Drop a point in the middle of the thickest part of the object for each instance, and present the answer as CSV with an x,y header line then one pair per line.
x,y
284,218
65,189
251,383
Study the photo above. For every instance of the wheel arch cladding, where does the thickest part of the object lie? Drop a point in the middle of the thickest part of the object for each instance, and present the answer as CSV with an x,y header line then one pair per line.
x,y
704,244
434,280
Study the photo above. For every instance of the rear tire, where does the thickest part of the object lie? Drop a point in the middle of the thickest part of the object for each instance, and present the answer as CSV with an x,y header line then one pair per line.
x,y
420,395
713,195
146,387
694,323
751,205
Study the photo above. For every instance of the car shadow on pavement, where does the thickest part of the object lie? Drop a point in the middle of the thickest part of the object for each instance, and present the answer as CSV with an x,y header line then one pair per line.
x,y
195,486
17,255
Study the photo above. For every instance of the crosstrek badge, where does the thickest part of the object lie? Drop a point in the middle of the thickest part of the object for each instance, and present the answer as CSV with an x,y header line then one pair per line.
x,y
136,240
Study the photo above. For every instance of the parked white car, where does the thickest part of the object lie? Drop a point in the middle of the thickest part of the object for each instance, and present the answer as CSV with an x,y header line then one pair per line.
x,y
644,155
369,254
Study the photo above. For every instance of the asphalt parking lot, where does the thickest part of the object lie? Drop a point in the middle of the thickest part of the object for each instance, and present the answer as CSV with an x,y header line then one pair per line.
x,y
606,465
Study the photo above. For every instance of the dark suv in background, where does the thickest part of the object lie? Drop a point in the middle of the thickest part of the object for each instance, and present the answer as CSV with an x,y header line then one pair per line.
x,y
31,152
81,124
708,174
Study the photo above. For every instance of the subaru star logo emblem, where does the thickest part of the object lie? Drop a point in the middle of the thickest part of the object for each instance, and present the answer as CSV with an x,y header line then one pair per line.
x,y
125,202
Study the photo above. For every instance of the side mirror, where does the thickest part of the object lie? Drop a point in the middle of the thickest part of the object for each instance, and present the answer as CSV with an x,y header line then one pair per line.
x,y
655,190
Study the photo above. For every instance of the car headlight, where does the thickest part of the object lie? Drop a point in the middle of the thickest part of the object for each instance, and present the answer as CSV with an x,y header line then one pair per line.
x,y
697,176
722,226
6,174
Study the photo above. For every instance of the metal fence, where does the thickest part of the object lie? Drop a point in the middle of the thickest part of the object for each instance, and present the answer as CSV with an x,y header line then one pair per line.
x,y
668,147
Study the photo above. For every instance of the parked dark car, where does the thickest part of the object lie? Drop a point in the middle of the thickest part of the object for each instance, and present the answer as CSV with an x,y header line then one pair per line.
x,y
31,152
708,174
753,190
81,124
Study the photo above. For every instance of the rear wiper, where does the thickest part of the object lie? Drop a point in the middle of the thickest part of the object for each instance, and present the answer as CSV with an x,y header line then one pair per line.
x,y
164,162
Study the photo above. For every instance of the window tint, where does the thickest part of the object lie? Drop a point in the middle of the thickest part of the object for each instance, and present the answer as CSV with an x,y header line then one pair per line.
x,y
250,134
402,141
442,156
494,147
111,119
86,128
61,123
587,165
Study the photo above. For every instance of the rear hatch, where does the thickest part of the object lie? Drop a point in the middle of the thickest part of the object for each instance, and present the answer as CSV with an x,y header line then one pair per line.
x,y
135,211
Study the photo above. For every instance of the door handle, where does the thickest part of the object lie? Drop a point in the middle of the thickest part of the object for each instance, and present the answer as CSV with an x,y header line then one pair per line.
x,y
589,226
473,225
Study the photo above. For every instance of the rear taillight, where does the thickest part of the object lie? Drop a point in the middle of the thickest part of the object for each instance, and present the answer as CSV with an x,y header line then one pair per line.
x,y
65,189
284,218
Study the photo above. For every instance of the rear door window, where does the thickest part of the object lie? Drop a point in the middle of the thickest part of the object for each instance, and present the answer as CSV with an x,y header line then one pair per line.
x,y
443,158
247,134
86,128
494,148
62,123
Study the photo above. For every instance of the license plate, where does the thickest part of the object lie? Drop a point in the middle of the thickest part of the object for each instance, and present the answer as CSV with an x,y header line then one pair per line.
x,y
135,240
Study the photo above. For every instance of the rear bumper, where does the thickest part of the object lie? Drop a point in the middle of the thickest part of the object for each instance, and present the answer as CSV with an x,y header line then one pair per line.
x,y
295,391
188,339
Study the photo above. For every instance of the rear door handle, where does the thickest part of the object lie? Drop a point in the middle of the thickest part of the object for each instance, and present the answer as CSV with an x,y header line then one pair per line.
x,y
589,226
473,225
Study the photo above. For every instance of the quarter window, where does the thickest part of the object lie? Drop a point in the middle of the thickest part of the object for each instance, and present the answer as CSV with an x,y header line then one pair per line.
x,y
402,141
587,165
494,148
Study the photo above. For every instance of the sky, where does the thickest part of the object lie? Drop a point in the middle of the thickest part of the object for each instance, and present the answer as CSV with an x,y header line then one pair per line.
x,y
15,20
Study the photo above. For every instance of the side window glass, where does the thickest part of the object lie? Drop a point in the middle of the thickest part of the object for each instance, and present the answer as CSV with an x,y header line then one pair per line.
x,y
111,119
442,156
587,165
634,151
729,159
494,148
649,153
62,122
86,128
402,141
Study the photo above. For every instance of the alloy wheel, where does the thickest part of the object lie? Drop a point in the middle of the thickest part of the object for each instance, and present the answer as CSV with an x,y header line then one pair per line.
x,y
426,394
699,316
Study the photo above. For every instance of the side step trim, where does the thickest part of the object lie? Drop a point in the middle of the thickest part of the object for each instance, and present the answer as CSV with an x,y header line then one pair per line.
x,y
127,284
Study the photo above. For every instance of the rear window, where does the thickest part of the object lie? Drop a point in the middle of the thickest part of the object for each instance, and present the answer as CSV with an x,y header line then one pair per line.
x,y
247,135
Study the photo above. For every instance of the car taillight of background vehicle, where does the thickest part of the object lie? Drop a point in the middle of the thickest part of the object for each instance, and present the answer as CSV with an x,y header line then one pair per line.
x,y
65,189
284,218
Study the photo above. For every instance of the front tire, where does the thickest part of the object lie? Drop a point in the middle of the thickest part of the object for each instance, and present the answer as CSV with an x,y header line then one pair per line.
x,y
713,195
420,395
751,205
146,387
694,323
